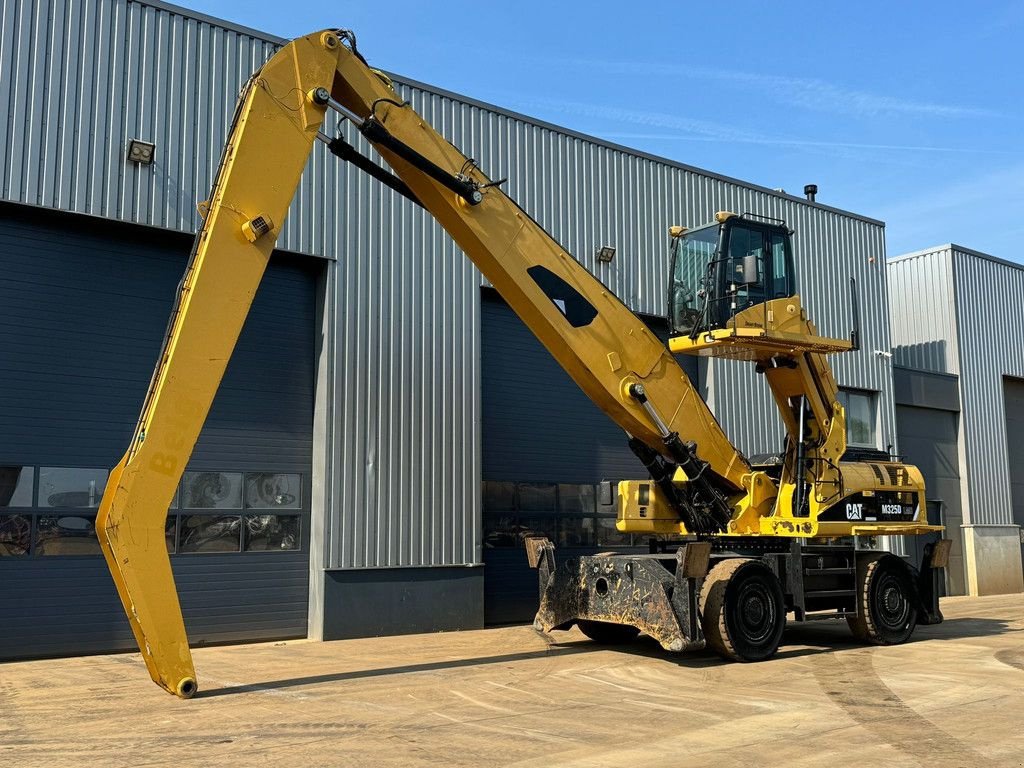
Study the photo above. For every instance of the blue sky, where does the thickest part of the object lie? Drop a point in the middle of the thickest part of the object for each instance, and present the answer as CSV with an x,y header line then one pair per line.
x,y
907,112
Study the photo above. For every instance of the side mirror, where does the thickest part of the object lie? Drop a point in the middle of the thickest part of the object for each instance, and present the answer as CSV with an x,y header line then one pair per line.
x,y
751,273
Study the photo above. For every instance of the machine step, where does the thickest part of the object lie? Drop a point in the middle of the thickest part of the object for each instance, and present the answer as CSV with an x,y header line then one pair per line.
x,y
810,595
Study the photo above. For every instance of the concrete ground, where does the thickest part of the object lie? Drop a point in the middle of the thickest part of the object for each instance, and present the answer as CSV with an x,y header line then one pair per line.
x,y
497,697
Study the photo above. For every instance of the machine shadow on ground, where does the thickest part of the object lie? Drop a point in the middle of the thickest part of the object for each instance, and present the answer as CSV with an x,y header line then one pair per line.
x,y
812,639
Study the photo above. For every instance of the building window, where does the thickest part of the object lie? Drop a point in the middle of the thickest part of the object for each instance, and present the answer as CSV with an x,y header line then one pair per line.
x,y
16,486
71,487
212,490
210,533
271,533
272,490
52,511
15,535
861,409
66,535
567,513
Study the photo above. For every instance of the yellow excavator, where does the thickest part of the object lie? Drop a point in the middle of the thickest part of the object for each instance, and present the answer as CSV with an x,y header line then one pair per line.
x,y
736,544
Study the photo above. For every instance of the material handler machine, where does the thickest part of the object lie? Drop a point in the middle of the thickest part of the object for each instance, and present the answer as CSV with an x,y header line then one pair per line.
x,y
736,544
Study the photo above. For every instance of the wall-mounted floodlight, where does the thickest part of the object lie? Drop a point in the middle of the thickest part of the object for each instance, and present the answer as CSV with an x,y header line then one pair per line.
x,y
141,152
605,253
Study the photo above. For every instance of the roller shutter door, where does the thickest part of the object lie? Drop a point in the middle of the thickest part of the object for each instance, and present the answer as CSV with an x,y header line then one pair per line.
x,y
545,447
928,440
1013,397
83,307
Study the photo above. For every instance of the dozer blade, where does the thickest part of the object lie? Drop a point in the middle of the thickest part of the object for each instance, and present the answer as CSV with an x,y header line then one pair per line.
x,y
655,594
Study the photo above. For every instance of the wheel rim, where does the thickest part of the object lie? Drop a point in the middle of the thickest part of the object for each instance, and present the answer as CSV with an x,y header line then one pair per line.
x,y
755,612
891,604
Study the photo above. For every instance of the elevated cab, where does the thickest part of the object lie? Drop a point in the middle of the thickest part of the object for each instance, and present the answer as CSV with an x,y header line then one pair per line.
x,y
733,292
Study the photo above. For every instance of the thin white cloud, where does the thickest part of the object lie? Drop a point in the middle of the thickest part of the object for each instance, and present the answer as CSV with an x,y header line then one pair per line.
x,y
690,129
980,212
806,143
805,92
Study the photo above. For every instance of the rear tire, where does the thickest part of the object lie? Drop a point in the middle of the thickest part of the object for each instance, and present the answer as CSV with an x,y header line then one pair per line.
x,y
607,634
886,601
743,610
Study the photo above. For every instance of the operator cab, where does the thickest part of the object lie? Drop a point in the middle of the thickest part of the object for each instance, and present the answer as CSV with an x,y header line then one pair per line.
x,y
724,268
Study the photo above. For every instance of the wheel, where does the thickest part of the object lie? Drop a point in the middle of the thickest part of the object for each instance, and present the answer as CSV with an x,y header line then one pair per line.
x,y
743,610
886,601
606,633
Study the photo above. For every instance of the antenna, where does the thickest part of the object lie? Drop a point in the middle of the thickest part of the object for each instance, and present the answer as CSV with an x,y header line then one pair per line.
x,y
855,306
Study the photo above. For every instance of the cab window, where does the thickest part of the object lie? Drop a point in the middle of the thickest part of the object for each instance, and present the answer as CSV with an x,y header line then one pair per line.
x,y
782,272
745,267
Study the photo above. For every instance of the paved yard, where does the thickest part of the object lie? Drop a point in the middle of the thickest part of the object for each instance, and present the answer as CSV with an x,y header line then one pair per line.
x,y
954,697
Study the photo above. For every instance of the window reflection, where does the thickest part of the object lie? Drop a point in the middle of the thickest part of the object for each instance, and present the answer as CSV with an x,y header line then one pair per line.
x,y
15,534
576,532
210,533
536,497
607,533
171,533
271,532
272,490
499,496
66,535
71,487
576,498
212,490
565,513
861,417
16,486
502,531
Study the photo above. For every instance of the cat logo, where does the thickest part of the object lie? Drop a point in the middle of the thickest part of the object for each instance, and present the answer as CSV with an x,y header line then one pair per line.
x,y
854,511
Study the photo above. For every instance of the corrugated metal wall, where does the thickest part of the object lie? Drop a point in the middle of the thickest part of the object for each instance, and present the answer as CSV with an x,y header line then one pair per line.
x,y
943,314
982,283
922,313
402,484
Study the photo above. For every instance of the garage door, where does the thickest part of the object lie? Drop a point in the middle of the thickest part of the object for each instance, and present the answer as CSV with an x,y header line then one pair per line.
x,y
83,307
1013,397
928,439
545,447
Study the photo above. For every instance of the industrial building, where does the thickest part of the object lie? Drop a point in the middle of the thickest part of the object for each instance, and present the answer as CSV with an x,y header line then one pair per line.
x,y
960,403
387,426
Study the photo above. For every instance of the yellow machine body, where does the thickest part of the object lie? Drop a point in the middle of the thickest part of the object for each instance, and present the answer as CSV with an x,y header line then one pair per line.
x,y
604,347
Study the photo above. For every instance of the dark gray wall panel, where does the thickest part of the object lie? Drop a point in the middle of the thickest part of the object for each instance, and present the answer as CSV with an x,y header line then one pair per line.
x,y
83,308
57,606
538,426
401,601
928,439
926,389
1013,398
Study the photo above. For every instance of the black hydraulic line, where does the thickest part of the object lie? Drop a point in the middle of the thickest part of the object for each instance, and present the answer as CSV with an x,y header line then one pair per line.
x,y
705,509
372,129
345,151
801,458
661,471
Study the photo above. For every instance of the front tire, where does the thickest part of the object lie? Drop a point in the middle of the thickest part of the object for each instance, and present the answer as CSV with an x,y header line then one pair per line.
x,y
743,610
886,601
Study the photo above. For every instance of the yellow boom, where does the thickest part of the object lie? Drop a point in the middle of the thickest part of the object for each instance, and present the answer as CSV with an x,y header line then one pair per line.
x,y
606,349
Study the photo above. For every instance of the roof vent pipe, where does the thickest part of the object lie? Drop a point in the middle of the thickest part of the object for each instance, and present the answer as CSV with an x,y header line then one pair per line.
x,y
811,190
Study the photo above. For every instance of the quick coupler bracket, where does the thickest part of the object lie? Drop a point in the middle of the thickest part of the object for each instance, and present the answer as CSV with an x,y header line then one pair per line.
x,y
657,594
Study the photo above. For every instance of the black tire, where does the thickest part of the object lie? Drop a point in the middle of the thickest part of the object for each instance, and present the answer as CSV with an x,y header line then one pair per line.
x,y
886,601
743,610
606,633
